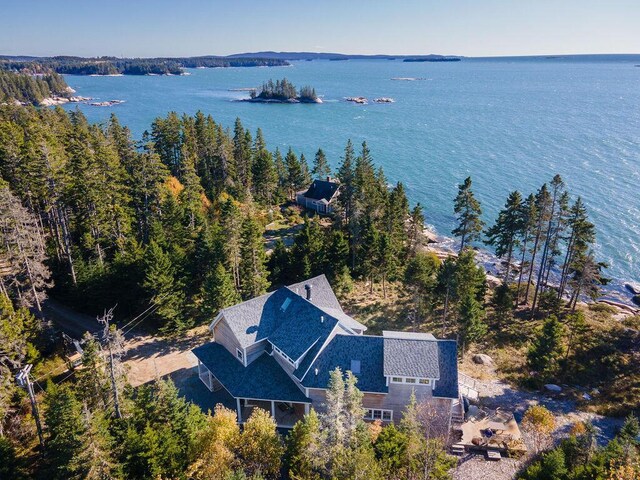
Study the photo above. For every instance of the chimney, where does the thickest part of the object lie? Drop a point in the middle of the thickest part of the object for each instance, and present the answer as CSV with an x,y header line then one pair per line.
x,y
307,287
328,178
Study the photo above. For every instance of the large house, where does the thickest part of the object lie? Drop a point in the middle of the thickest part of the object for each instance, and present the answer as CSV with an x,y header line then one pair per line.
x,y
319,196
277,351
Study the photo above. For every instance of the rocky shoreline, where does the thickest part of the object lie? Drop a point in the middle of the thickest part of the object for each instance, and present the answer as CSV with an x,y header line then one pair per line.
x,y
57,100
444,247
276,100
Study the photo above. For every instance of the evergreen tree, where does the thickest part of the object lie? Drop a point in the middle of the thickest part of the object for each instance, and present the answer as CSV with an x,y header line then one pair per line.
x,y
321,167
218,292
472,326
253,273
65,432
295,176
502,302
467,210
304,449
546,348
263,172
504,234
164,291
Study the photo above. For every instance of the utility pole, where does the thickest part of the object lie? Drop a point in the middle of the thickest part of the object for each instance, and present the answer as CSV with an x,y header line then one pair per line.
x,y
25,382
110,338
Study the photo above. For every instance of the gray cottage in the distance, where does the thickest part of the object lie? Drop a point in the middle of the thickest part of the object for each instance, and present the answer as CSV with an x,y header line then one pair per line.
x,y
319,196
277,351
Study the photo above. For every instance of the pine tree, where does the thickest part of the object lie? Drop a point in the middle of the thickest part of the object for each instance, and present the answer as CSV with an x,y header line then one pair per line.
x,y
304,449
231,223
346,175
467,210
321,167
295,176
218,292
472,326
93,382
253,274
263,172
416,228
581,236
504,234
65,432
546,348
164,290
528,215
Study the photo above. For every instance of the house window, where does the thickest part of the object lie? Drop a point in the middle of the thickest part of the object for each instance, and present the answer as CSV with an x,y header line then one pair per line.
x,y
378,414
424,381
409,380
396,379
239,354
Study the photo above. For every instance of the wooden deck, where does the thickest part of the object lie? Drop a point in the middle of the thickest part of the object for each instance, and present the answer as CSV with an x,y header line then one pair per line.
x,y
495,431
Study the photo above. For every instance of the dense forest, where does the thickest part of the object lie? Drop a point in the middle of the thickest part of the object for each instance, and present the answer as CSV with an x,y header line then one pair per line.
x,y
129,66
30,89
173,226
284,90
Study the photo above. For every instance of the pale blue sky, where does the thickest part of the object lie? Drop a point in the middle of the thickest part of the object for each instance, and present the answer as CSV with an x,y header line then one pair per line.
x,y
201,27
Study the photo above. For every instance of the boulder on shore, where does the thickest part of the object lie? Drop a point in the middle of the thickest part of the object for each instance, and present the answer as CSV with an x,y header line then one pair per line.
x,y
482,359
552,387
633,287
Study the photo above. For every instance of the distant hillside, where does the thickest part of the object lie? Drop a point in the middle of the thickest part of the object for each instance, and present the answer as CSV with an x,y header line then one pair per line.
x,y
128,66
335,56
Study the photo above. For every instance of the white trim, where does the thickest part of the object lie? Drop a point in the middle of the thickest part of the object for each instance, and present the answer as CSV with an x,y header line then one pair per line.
x,y
404,380
269,400
215,321
240,356
382,411
306,351
324,345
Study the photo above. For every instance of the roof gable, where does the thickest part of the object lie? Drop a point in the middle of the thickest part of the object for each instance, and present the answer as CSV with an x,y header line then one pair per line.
x,y
302,325
408,357
322,190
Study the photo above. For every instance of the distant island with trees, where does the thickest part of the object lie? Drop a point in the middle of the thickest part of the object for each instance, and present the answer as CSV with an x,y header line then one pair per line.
x,y
129,66
283,91
31,89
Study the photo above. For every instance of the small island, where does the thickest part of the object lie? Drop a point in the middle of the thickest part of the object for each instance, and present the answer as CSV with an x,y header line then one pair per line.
x,y
283,91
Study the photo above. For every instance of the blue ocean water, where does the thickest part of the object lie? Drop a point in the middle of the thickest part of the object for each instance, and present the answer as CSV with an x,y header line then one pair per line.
x,y
509,124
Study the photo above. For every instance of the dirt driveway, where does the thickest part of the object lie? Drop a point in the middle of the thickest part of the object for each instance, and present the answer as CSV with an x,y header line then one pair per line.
x,y
148,357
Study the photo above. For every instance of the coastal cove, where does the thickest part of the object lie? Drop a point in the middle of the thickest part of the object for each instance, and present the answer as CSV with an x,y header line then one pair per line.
x,y
508,124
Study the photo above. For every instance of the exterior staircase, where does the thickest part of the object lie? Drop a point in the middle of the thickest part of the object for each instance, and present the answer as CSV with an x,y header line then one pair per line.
x,y
468,387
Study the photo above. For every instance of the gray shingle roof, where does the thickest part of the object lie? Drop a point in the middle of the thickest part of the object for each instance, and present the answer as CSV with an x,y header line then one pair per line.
x,y
447,386
301,325
321,292
295,329
322,189
340,352
411,358
263,379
